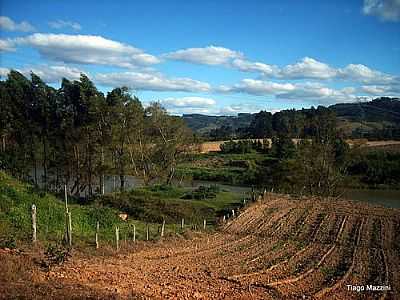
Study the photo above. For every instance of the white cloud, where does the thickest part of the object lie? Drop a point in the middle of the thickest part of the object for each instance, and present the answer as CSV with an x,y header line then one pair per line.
x,y
247,66
60,24
317,93
4,72
197,102
385,10
189,105
86,49
8,24
6,45
210,55
308,68
213,56
309,91
382,90
362,73
151,82
257,87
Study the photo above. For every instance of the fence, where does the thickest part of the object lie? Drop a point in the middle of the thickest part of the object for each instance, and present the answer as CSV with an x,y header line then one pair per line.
x,y
149,232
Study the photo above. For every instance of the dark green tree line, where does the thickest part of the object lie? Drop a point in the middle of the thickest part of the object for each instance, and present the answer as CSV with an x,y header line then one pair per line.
x,y
75,135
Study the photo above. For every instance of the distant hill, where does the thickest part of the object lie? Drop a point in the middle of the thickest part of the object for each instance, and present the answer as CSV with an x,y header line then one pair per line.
x,y
378,110
379,118
203,124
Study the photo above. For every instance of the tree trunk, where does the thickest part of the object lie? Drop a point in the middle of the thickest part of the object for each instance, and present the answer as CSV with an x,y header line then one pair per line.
x,y
122,180
102,189
45,163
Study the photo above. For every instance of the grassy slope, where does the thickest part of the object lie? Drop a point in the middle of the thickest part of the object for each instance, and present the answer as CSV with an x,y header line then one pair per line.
x,y
144,205
16,200
163,202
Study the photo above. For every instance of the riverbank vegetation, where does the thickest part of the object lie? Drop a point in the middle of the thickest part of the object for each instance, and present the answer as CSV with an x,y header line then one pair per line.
x,y
146,206
76,135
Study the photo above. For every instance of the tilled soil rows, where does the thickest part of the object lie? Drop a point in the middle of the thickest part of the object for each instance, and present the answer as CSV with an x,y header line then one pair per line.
x,y
279,248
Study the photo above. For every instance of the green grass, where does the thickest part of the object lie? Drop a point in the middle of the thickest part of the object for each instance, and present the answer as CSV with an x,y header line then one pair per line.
x,y
16,200
228,168
157,203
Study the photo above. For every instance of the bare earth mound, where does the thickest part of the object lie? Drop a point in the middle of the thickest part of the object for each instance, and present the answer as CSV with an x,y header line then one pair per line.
x,y
278,249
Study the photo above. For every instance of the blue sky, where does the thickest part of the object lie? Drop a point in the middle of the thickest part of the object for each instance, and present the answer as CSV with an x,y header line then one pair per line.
x,y
212,57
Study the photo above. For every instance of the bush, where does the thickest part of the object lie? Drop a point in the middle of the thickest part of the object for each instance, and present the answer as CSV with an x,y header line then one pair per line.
x,y
202,193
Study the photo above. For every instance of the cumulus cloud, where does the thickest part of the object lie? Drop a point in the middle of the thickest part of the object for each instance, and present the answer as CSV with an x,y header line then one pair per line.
x,y
6,45
317,93
362,73
309,91
151,82
198,102
86,49
189,105
257,87
248,66
385,10
382,90
60,24
210,55
308,68
8,24
213,56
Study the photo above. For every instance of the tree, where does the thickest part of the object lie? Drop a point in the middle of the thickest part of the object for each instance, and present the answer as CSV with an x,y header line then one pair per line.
x,y
282,147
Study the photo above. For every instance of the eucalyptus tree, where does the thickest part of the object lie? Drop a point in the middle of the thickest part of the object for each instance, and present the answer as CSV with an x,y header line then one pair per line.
x,y
167,137
126,117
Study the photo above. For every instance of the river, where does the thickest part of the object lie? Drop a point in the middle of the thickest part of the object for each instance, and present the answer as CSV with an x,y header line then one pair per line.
x,y
387,198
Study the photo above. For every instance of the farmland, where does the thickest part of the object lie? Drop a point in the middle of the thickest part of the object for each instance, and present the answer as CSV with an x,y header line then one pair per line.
x,y
277,248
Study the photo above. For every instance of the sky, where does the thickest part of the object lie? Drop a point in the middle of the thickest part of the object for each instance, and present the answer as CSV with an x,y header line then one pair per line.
x,y
211,57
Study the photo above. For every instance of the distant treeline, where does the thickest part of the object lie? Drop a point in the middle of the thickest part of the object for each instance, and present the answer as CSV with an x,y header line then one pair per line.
x,y
375,120
75,134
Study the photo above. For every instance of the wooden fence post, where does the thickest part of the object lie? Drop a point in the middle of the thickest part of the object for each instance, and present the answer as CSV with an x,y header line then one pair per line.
x,y
66,216
97,234
204,224
162,228
182,223
147,232
34,237
134,233
117,237
69,229
66,197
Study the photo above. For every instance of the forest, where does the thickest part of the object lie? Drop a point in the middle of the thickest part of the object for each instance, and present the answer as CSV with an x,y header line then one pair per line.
x,y
75,135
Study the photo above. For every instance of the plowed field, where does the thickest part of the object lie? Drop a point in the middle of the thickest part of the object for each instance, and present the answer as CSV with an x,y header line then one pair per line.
x,y
280,248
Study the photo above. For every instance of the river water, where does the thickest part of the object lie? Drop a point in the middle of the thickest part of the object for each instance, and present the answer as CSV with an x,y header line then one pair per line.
x,y
387,198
